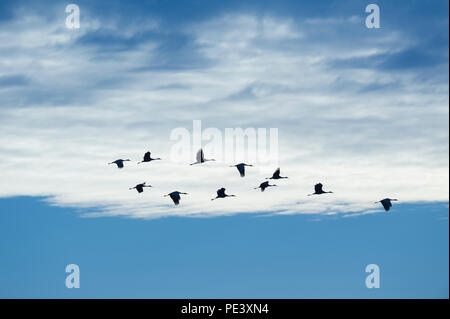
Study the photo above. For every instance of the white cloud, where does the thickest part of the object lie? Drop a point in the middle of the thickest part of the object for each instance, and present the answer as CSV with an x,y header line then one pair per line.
x,y
81,112
331,21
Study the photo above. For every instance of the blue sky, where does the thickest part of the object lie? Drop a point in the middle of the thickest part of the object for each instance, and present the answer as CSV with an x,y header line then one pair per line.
x,y
364,111
244,256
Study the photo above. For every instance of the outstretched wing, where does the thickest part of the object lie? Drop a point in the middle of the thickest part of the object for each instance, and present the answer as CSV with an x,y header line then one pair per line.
x,y
241,169
176,198
276,174
318,188
263,186
221,192
200,156
386,204
147,157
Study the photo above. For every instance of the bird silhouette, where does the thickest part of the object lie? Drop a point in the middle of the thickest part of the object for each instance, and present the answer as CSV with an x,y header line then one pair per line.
x,y
276,175
241,168
387,203
264,185
221,194
119,162
148,158
318,190
140,187
176,196
201,158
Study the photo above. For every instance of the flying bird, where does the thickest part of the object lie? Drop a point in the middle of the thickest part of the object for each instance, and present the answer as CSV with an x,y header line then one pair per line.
x,y
264,185
140,187
119,162
148,158
221,194
241,168
201,158
387,203
276,175
175,196
318,190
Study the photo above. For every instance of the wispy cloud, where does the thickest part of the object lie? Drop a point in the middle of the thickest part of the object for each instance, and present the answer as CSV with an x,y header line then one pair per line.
x,y
368,117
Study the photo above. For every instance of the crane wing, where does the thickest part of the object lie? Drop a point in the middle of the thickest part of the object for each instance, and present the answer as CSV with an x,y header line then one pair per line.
x,y
241,169
221,192
318,188
386,204
276,174
200,156
176,198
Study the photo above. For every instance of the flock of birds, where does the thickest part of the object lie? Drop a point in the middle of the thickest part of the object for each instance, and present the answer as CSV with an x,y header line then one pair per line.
x,y
200,158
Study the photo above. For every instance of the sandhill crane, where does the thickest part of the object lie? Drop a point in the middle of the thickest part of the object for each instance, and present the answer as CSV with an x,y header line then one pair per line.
x,y
318,190
119,162
140,187
221,194
387,203
175,196
241,168
201,158
264,185
276,175
148,158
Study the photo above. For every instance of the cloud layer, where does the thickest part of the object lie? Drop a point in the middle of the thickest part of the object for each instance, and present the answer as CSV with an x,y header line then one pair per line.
x,y
363,111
